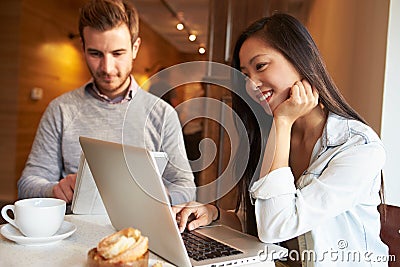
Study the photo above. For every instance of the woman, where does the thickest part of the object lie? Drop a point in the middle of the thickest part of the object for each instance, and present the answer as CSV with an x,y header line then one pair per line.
x,y
321,183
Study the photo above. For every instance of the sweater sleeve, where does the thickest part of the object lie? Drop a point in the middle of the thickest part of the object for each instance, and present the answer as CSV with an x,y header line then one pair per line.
x,y
178,176
44,165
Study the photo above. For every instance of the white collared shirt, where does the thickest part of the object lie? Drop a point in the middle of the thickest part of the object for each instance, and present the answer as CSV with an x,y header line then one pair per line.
x,y
333,207
129,94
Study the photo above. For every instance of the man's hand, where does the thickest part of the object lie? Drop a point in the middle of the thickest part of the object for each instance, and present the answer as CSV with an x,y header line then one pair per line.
x,y
65,188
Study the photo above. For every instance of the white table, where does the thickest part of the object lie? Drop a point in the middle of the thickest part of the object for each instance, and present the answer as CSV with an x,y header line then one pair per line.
x,y
71,251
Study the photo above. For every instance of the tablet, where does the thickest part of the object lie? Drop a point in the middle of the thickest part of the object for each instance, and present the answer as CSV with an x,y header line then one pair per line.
x,y
86,199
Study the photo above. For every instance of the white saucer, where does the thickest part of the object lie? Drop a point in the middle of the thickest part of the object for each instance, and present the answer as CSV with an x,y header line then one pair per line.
x,y
11,233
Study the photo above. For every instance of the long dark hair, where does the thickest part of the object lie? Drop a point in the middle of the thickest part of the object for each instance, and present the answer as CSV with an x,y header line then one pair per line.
x,y
287,35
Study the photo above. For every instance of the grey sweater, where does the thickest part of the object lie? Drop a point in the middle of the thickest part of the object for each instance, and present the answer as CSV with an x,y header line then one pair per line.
x,y
145,121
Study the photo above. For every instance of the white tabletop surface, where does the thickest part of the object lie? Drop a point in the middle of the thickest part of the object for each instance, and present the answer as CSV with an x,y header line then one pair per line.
x,y
71,251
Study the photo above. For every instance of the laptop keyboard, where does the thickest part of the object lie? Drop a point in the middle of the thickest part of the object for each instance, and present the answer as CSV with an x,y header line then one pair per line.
x,y
201,247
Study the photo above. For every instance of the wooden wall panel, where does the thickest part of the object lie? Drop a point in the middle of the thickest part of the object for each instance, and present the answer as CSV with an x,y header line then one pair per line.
x,y
49,60
357,62
10,16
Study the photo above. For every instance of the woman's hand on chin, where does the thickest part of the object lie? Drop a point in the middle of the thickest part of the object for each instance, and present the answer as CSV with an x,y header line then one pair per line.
x,y
303,98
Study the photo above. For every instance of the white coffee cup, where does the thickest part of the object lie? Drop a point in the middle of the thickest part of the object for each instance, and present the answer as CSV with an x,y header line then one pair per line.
x,y
36,217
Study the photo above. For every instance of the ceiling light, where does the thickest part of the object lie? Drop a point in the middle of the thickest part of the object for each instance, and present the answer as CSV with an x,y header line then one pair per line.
x,y
202,50
180,26
192,37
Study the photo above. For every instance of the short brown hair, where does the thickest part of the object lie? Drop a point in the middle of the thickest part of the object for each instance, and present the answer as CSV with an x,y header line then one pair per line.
x,y
104,15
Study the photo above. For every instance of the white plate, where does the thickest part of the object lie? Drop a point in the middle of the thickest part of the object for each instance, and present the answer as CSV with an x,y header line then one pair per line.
x,y
11,233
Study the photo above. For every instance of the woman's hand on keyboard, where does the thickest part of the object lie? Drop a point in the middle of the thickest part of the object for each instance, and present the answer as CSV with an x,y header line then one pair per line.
x,y
192,215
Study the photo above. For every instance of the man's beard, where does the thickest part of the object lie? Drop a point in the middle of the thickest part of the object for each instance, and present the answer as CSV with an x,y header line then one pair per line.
x,y
104,86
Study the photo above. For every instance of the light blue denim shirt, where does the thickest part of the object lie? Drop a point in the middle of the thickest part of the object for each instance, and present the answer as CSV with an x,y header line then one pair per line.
x,y
332,208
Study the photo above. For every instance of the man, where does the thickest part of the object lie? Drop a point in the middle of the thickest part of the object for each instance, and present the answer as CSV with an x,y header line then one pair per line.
x,y
111,107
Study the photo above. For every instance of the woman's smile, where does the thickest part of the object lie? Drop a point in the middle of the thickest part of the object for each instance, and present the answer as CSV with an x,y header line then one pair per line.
x,y
266,95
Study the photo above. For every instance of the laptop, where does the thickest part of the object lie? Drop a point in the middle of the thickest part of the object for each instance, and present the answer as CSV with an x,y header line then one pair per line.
x,y
134,196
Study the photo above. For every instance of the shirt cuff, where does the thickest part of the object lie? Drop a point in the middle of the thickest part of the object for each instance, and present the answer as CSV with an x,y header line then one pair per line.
x,y
278,182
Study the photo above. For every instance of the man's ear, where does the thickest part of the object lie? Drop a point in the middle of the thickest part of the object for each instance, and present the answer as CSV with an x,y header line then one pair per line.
x,y
135,47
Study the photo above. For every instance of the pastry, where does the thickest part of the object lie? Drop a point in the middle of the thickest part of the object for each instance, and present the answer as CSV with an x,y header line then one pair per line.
x,y
125,248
